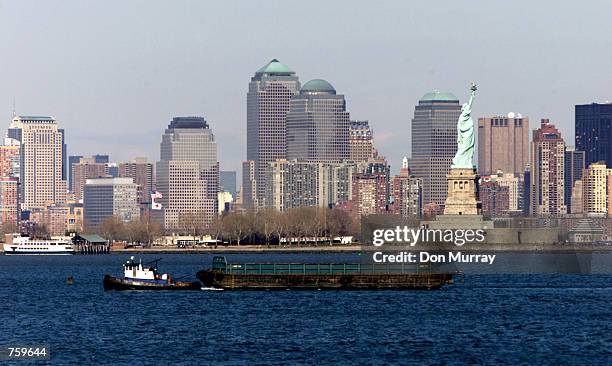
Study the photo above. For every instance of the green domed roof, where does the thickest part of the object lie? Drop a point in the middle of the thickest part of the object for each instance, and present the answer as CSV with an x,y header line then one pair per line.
x,y
439,97
318,86
275,67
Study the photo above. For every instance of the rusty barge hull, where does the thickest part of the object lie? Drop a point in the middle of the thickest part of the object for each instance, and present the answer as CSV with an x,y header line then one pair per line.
x,y
421,281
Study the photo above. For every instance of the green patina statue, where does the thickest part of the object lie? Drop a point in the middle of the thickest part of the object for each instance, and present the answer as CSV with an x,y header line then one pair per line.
x,y
465,135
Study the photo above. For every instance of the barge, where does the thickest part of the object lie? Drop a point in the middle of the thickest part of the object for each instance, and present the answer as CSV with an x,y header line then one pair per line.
x,y
299,276
137,276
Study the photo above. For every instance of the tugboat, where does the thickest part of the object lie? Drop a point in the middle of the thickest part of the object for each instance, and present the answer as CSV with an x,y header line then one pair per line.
x,y
139,276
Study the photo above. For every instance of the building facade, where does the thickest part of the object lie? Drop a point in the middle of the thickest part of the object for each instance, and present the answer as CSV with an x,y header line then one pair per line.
x,y
268,100
318,124
42,160
407,193
141,171
593,124
573,167
595,189
86,168
503,144
495,199
434,143
187,174
104,198
361,141
227,182
370,192
547,171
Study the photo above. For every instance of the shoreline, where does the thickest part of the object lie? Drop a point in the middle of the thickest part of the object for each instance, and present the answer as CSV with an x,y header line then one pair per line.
x,y
361,249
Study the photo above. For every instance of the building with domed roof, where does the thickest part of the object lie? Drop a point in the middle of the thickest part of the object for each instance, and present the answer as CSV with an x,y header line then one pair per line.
x,y
318,124
434,143
268,98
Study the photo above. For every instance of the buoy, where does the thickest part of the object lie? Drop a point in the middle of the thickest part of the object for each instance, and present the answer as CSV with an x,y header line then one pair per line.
x,y
70,280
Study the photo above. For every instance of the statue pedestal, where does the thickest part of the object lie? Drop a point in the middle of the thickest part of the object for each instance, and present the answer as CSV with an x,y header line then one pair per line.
x,y
462,196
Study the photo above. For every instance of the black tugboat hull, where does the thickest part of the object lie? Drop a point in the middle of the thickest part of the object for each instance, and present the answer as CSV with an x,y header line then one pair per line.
x,y
119,284
404,281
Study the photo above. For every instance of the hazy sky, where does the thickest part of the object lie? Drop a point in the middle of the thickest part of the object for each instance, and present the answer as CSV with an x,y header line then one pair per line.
x,y
113,73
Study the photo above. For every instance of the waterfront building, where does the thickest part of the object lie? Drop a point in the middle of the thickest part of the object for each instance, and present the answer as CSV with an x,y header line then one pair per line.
x,y
361,141
406,191
547,171
268,100
370,194
9,200
434,143
227,182
86,168
593,132
503,144
141,171
573,167
187,173
595,189
495,199
104,198
42,160
318,124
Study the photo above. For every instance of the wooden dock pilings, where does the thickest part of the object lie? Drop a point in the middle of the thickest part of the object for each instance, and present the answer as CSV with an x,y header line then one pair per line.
x,y
89,249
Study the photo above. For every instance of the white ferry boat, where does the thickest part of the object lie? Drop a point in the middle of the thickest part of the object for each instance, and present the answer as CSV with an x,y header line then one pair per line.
x,y
23,245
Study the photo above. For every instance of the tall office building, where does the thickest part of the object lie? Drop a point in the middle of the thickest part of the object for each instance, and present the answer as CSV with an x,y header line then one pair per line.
x,y
547,171
573,167
141,171
503,144
72,159
248,191
110,197
188,172
594,132
318,124
361,141
86,168
434,143
406,190
42,160
268,99
227,182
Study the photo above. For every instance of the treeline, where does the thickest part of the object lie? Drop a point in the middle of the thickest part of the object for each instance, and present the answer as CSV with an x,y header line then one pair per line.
x,y
266,226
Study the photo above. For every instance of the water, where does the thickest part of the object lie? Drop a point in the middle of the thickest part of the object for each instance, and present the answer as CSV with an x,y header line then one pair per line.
x,y
490,319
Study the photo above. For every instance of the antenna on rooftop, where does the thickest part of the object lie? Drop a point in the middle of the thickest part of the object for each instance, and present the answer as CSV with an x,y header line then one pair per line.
x,y
14,113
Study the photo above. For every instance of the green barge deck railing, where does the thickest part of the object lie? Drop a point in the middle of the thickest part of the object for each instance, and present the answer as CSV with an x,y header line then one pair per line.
x,y
220,263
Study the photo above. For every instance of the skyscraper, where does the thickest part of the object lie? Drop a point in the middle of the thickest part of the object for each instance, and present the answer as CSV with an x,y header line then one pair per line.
x,y
595,190
318,124
42,157
270,92
594,132
361,141
188,172
434,143
86,168
72,159
406,190
107,197
227,182
503,144
574,165
141,171
547,171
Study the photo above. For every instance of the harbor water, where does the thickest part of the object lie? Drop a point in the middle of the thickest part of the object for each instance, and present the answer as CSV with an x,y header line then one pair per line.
x,y
492,318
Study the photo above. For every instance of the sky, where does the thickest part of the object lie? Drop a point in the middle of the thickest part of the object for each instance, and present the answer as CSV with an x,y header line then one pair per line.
x,y
114,73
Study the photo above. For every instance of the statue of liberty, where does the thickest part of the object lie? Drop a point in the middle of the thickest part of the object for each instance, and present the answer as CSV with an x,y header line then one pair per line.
x,y
465,135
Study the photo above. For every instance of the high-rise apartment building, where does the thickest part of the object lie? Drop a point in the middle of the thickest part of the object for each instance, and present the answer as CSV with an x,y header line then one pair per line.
x,y
370,192
268,100
406,190
104,198
141,171
595,190
361,141
42,160
547,171
318,124
494,198
573,167
434,143
503,144
513,183
594,132
187,174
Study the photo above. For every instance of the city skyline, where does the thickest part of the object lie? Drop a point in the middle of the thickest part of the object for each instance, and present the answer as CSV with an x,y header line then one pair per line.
x,y
140,79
